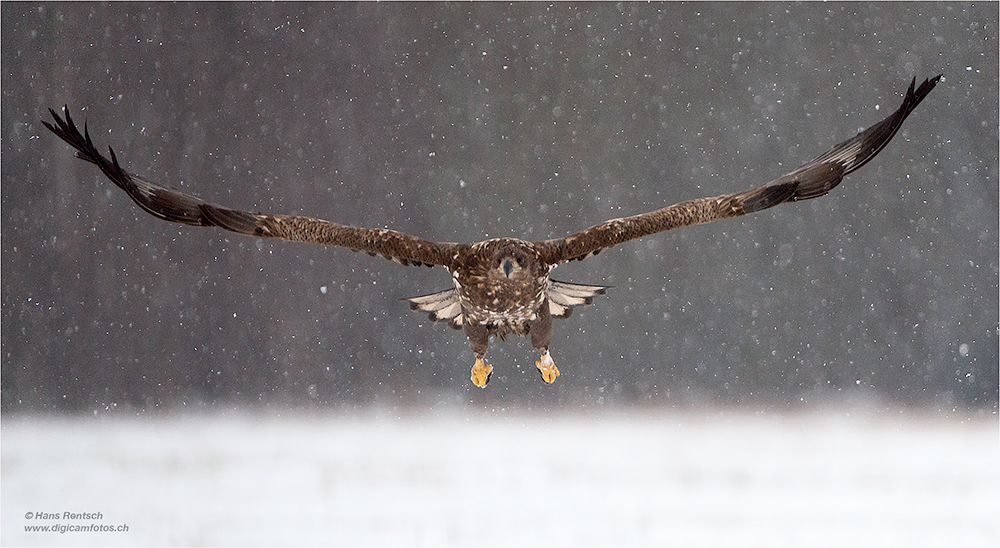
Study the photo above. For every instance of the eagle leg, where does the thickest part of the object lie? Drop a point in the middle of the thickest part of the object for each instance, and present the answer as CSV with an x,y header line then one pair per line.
x,y
481,372
547,367
541,335
479,339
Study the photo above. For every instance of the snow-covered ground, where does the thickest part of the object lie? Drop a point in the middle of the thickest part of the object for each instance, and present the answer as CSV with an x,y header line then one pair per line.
x,y
535,479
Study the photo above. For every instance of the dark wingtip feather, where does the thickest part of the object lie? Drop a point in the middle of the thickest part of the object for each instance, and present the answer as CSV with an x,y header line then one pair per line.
x,y
229,219
860,149
769,196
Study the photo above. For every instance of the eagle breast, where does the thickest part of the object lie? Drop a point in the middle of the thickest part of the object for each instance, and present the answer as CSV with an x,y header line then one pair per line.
x,y
502,285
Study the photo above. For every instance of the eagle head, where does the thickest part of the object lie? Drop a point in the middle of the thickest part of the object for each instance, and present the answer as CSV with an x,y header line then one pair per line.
x,y
511,259
510,266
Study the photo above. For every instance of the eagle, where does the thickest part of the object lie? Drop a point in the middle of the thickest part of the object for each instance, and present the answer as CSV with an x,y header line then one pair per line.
x,y
501,286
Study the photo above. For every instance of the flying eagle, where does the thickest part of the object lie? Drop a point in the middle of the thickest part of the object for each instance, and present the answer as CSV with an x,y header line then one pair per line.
x,y
502,285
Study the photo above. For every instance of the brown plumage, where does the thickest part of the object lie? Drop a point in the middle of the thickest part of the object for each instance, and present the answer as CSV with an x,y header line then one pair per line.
x,y
502,286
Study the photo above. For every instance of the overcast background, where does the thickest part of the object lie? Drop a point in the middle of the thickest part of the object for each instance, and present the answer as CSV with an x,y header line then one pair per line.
x,y
822,373
465,122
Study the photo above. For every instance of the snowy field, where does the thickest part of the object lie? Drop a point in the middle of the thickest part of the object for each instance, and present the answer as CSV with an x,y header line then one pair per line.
x,y
531,479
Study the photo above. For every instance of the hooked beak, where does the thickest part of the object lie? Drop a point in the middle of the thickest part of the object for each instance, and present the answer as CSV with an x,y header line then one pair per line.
x,y
508,267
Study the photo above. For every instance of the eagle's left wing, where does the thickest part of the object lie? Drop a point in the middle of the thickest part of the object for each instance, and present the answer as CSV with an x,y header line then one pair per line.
x,y
814,179
175,206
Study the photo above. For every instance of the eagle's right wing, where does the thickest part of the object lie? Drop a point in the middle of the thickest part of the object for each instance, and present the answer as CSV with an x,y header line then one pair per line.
x,y
174,206
815,178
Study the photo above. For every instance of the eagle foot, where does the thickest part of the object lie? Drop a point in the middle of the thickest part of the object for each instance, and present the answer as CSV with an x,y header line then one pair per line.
x,y
481,373
547,368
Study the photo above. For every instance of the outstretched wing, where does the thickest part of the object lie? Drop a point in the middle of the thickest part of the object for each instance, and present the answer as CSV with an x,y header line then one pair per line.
x,y
172,205
812,180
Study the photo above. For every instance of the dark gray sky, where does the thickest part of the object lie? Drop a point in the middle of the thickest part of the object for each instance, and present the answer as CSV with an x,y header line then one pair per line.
x,y
462,122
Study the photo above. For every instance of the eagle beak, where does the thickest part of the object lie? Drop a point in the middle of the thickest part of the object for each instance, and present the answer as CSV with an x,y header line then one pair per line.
x,y
508,267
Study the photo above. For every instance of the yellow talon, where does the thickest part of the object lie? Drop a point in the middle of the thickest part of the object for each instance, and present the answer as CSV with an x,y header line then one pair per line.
x,y
547,368
481,373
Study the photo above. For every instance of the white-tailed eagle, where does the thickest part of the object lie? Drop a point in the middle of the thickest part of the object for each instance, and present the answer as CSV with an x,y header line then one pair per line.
x,y
502,286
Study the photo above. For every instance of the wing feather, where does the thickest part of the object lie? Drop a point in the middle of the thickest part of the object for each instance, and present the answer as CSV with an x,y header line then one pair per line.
x,y
175,206
815,178
563,296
